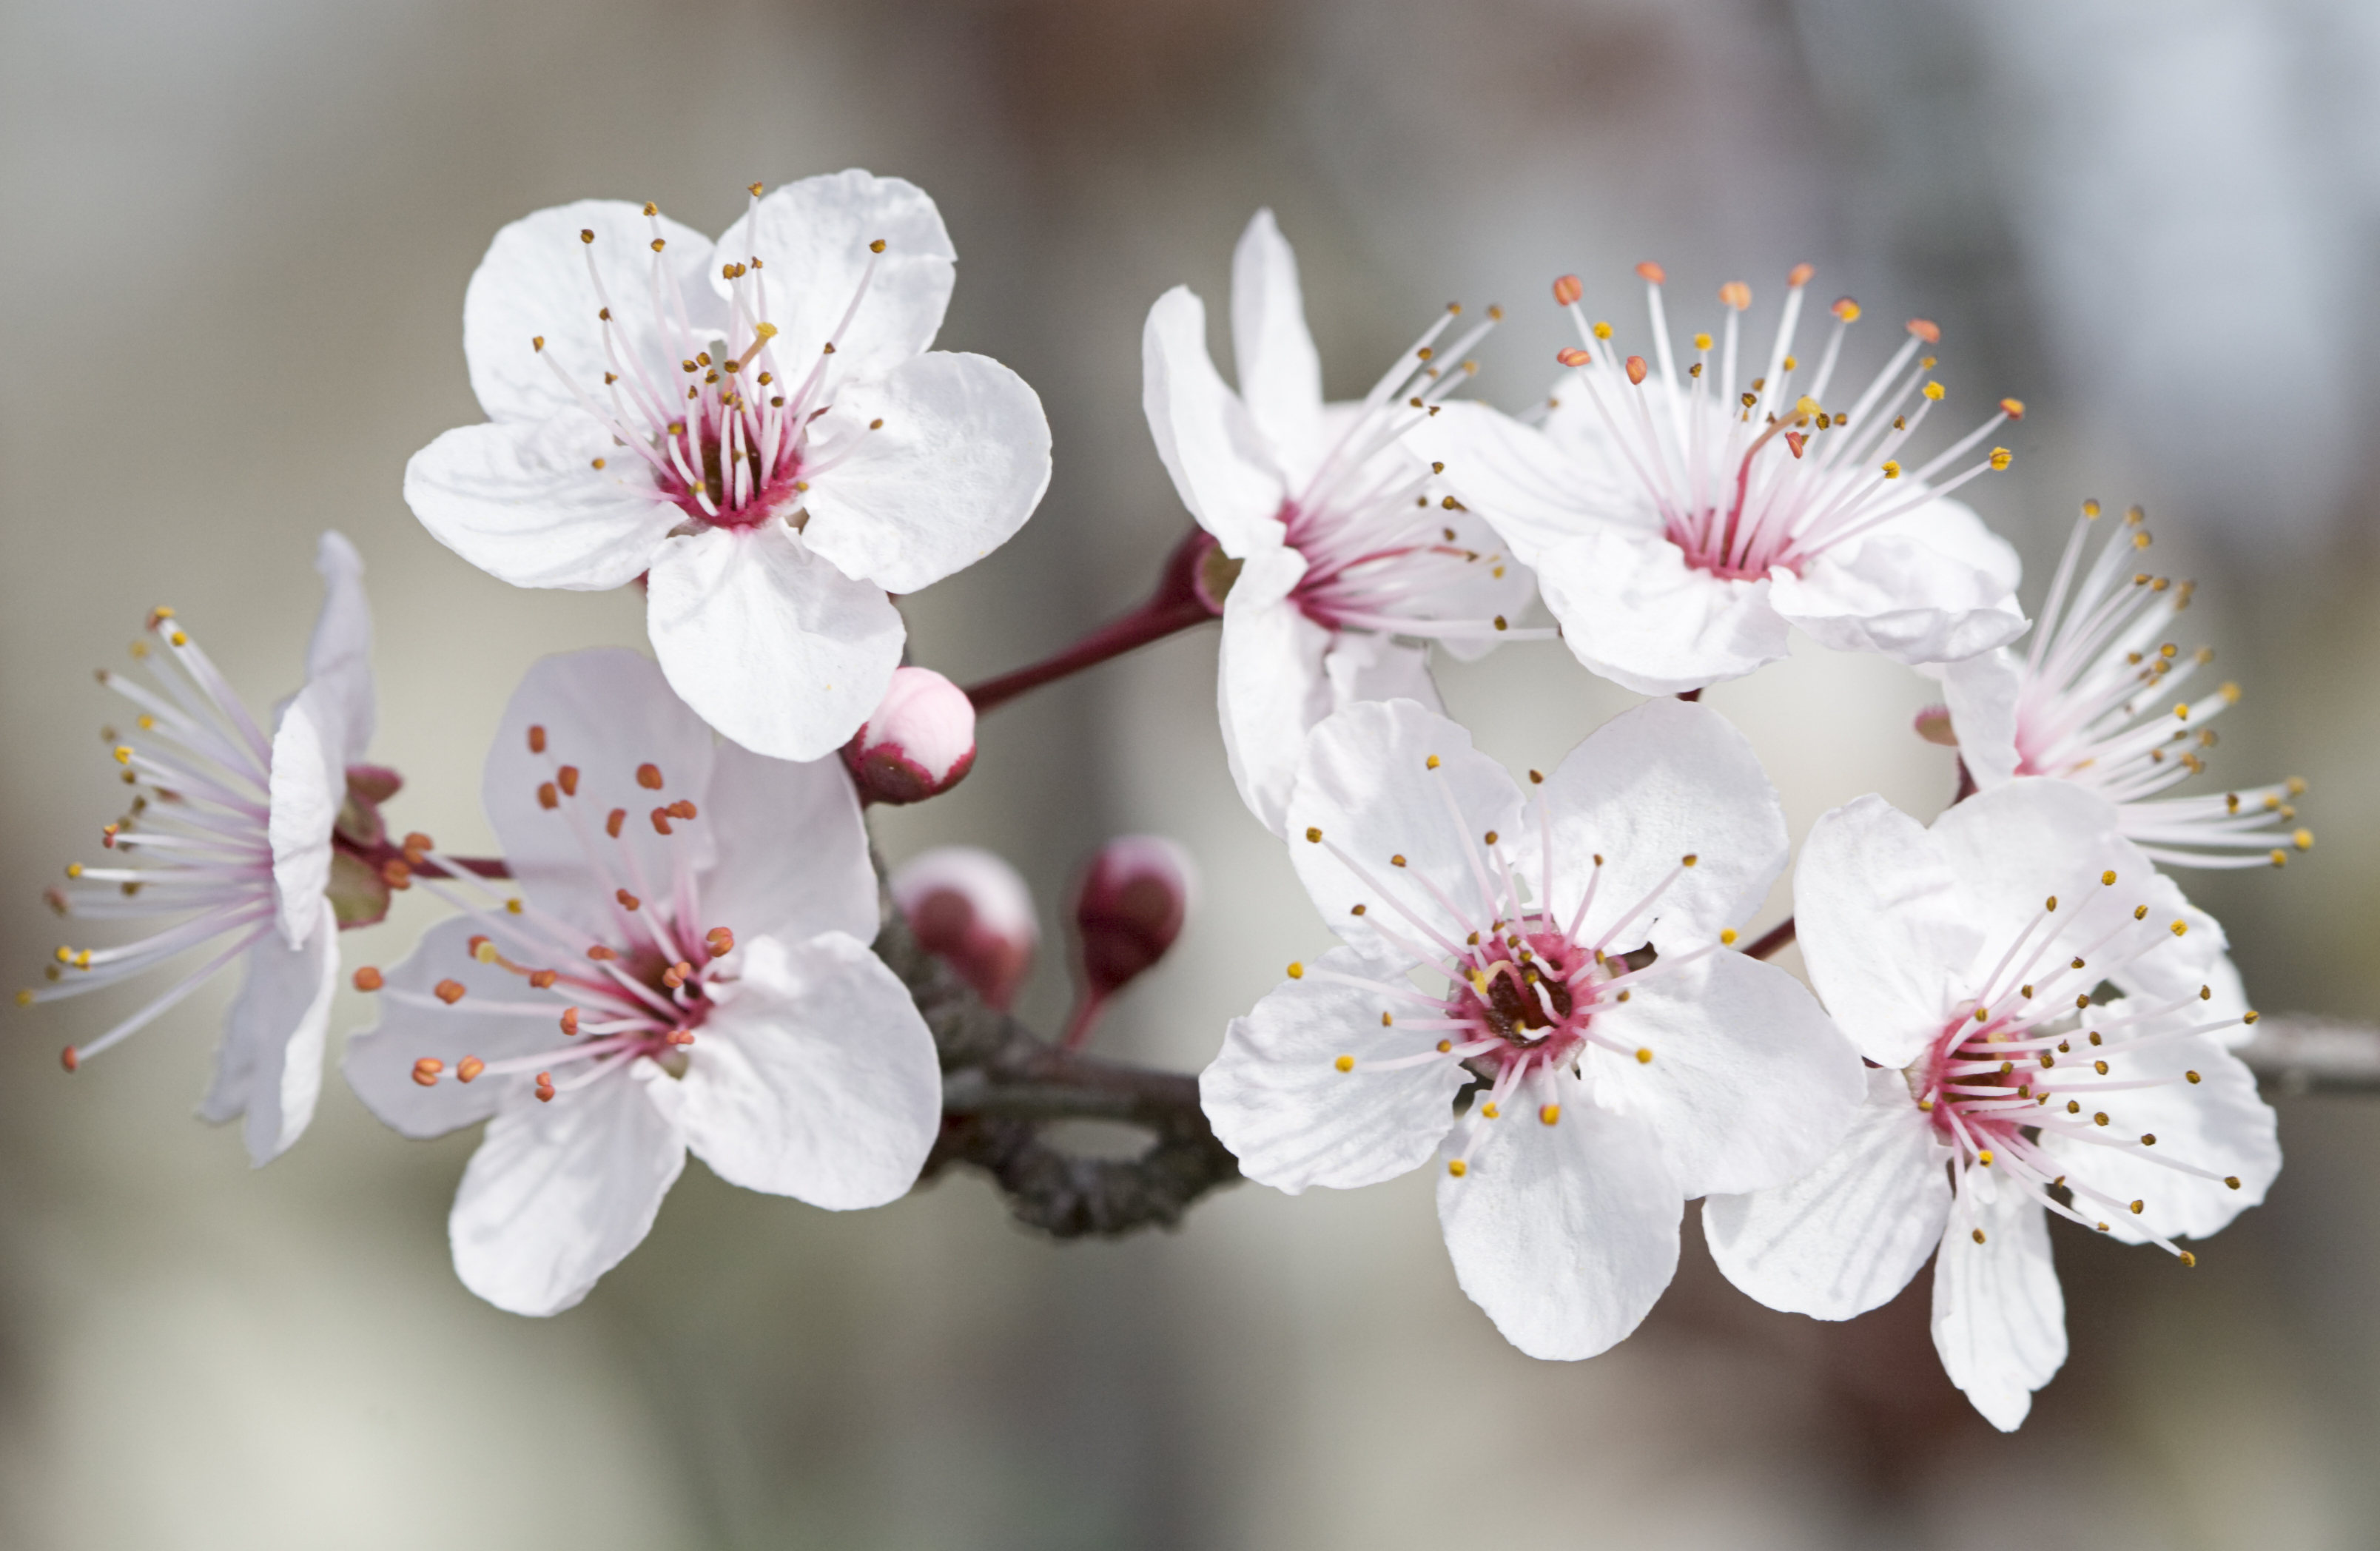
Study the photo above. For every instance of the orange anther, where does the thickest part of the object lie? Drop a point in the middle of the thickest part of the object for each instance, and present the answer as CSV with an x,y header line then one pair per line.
x,y
1846,310
547,797
720,940
661,821
425,1076
1799,275
568,777
473,946
1636,368
416,847
1652,272
681,809
1566,290
68,1059
627,901
537,740
1735,294
1796,440
468,1068
602,954
542,979
1573,356
619,816
396,874
368,980
570,1020
545,1087
2013,409
449,991
649,776
1926,330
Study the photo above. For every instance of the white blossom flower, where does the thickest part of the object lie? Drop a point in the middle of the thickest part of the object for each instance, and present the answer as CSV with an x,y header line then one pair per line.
x,y
686,966
1962,960
1620,1059
2093,701
229,829
1347,567
1678,527
757,428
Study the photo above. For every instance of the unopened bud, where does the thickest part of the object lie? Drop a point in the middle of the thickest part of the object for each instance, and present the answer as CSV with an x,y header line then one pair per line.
x,y
971,910
1128,907
918,744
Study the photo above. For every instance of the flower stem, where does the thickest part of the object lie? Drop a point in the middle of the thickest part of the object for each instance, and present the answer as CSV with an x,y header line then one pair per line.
x,y
1772,941
1185,595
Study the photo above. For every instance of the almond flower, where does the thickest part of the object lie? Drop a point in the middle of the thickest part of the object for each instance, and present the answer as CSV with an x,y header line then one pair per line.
x,y
684,965
1680,522
757,428
1618,1059
1962,960
230,834
1347,565
2097,701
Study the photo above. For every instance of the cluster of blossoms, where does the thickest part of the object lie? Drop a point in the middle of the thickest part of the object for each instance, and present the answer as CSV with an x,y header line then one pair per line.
x,y
1542,992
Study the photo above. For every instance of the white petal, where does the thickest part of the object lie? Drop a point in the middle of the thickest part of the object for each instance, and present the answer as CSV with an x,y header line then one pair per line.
x,y
959,460
796,862
812,240
379,1061
1906,599
816,1078
1365,783
2000,1319
2013,847
1226,473
1655,785
773,645
1362,665
1281,373
1533,493
1566,1234
1981,694
2218,1123
340,653
534,284
1270,685
1749,1087
1884,928
1634,612
606,713
269,1066
559,1193
306,783
1846,1237
1279,1101
523,502
1951,527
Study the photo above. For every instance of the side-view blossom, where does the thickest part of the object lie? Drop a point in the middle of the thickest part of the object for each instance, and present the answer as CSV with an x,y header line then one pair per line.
x,y
757,428
229,832
1346,566
1680,522
684,965
2097,701
1616,1056
1967,962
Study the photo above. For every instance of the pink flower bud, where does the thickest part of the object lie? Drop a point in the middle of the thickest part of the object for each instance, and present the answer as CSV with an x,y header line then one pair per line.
x,y
1129,905
920,743
971,910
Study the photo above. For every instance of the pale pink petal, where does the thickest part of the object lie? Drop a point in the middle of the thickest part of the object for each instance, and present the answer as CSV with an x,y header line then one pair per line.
x,y
1894,595
1633,610
1281,373
1566,1234
1981,693
1279,1101
959,458
307,782
1885,929
559,1193
1226,472
269,1066
1534,491
523,502
1270,685
768,642
2000,1318
814,1077
782,821
340,653
813,240
1846,1237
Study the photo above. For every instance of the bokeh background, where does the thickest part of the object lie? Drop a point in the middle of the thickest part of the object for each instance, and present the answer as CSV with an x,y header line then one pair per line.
x,y
237,238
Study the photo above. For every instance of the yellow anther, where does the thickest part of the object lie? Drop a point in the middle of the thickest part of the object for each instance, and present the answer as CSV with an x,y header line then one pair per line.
x,y
2181,929
1702,342
1644,1055
1689,859
2138,1207
1297,972
1346,1063
1892,468
1489,1112
485,952
1934,391
1457,1168
1550,1113
24,999
1727,937
2001,457
1984,1158
2107,878
2250,1017
2188,1259
1444,1046
1313,834
122,753
2302,840
1979,1235
1430,763
514,906
1601,330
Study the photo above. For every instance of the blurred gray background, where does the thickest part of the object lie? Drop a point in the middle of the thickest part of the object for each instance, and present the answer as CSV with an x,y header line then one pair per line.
x,y
237,235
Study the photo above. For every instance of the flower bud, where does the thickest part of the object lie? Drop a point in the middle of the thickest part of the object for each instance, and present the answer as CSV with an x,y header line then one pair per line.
x,y
971,910
918,744
1128,907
